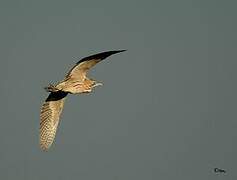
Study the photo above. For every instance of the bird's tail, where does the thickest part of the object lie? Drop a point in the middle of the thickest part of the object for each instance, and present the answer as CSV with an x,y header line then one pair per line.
x,y
51,88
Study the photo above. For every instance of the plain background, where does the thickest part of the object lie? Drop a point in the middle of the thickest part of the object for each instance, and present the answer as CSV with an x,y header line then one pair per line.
x,y
167,109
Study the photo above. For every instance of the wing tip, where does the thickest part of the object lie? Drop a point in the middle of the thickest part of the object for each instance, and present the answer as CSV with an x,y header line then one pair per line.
x,y
109,53
45,146
101,55
118,51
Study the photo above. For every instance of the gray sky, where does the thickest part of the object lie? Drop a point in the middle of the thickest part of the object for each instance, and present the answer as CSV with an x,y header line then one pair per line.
x,y
167,109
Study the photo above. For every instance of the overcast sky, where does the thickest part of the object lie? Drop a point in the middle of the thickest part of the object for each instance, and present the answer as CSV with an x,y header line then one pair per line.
x,y
167,109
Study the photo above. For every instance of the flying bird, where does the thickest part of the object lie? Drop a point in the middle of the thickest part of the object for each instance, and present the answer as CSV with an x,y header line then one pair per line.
x,y
75,82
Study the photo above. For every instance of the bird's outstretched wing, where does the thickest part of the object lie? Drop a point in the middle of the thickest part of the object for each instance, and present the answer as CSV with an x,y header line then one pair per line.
x,y
49,118
81,68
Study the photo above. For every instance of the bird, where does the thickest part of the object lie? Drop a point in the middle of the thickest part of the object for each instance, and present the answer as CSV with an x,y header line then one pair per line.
x,y
75,82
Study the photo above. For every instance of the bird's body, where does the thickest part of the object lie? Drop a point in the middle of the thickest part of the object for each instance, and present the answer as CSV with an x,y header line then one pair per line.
x,y
75,82
74,86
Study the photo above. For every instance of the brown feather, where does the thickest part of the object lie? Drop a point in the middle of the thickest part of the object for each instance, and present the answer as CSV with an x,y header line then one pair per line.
x,y
80,70
49,118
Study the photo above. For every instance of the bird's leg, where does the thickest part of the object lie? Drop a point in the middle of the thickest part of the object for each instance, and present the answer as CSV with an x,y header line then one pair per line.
x,y
51,88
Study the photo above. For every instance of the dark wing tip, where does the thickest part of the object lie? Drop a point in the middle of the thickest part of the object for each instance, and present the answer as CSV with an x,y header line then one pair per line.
x,y
101,56
55,96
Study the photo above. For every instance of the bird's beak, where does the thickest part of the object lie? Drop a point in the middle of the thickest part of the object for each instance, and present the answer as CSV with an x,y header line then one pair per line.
x,y
98,84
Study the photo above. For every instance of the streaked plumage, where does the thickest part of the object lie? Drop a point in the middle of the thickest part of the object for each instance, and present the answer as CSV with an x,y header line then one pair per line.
x,y
74,82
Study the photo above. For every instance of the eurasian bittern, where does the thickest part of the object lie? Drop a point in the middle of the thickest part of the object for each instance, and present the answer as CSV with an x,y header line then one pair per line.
x,y
75,82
